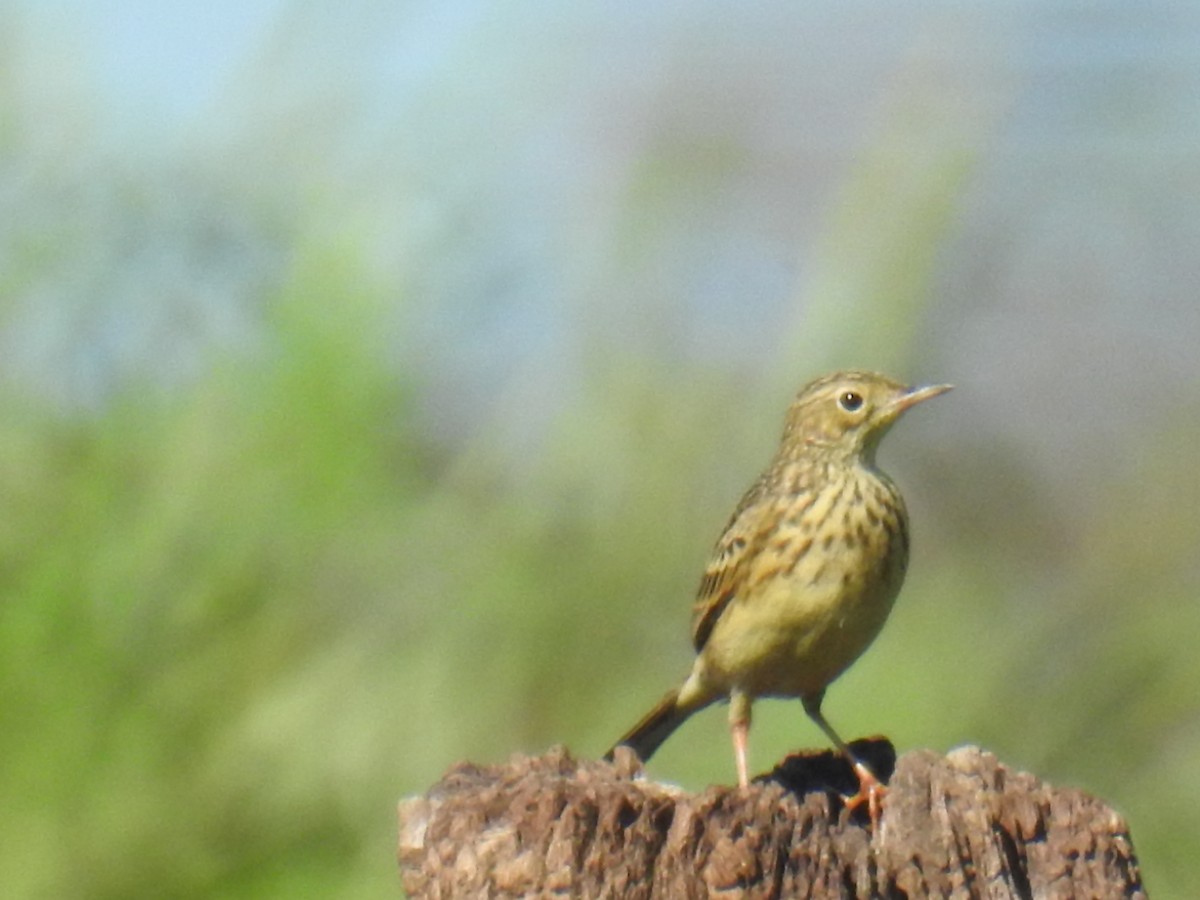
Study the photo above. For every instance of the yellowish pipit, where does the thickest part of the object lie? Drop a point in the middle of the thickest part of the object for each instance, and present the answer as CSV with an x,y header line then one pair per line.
x,y
805,573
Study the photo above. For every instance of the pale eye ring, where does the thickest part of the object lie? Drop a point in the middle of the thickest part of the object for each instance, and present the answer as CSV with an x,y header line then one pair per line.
x,y
851,401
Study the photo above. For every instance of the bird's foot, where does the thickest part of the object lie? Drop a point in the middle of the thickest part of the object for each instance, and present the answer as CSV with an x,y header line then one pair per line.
x,y
871,791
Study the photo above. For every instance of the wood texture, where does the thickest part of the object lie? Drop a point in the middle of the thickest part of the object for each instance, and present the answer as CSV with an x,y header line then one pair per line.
x,y
961,825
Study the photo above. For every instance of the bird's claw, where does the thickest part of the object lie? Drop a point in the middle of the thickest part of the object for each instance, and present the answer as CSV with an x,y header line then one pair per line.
x,y
871,791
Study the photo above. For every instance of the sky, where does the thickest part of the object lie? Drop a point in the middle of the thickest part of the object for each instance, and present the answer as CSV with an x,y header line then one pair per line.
x,y
722,136
158,61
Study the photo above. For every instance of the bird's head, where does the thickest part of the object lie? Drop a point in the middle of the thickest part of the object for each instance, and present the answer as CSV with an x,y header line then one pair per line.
x,y
842,417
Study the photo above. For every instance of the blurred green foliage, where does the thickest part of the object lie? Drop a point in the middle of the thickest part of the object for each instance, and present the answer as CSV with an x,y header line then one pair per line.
x,y
192,591
241,619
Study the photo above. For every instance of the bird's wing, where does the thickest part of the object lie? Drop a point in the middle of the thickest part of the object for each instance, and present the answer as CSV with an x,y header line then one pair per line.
x,y
733,557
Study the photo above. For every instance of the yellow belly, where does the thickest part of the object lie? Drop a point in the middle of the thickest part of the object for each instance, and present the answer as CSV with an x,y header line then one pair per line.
x,y
792,634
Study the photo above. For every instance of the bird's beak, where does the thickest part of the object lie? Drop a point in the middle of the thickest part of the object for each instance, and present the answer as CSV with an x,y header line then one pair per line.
x,y
917,395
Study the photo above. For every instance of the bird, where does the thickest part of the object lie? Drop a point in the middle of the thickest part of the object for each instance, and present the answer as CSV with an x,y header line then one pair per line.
x,y
804,574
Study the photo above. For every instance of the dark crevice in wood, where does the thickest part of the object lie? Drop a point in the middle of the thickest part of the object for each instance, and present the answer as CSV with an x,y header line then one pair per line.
x,y
1015,862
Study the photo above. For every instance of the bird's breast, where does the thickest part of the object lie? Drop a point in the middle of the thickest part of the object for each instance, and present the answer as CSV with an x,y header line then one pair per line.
x,y
816,594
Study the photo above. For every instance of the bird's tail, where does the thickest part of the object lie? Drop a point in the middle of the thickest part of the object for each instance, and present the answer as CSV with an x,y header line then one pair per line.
x,y
655,727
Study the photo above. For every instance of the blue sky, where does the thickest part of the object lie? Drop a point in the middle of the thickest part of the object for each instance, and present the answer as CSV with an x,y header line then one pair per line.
x,y
154,59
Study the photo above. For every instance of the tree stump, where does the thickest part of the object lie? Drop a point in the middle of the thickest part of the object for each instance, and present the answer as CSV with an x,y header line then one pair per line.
x,y
960,825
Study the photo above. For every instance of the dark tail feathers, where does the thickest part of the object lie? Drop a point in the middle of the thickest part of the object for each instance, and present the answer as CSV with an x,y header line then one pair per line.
x,y
655,727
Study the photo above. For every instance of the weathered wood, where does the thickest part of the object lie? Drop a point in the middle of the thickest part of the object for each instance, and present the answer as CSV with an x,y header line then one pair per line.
x,y
961,825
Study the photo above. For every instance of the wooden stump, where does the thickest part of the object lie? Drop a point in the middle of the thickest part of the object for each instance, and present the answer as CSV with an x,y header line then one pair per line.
x,y
961,825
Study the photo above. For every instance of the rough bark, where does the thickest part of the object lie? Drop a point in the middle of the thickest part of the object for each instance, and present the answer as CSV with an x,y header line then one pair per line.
x,y
961,825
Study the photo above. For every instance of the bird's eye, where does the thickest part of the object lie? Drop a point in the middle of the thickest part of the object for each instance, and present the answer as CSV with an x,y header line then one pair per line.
x,y
850,401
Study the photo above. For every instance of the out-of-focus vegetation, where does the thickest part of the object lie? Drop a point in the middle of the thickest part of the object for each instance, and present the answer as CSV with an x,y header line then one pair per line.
x,y
341,441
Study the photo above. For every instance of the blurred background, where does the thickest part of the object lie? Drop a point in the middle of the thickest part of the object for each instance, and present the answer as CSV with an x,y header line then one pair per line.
x,y
375,378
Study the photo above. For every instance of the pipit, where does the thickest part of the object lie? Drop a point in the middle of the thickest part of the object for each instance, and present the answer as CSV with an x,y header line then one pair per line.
x,y
805,573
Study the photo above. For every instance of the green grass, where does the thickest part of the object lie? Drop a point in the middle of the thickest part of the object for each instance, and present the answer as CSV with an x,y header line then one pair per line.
x,y
239,622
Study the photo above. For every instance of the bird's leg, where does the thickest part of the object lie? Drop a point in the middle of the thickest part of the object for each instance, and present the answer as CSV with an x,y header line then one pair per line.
x,y
739,730
870,789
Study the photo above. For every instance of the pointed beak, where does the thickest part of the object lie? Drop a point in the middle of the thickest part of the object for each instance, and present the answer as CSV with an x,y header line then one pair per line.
x,y
918,395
